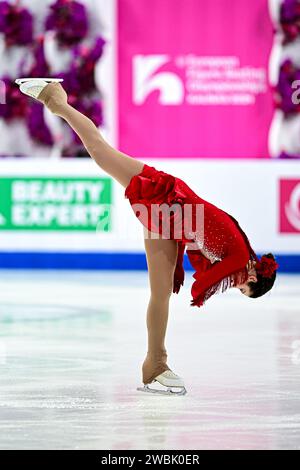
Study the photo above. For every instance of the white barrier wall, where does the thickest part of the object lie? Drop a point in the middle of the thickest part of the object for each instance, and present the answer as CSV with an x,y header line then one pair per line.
x,y
54,206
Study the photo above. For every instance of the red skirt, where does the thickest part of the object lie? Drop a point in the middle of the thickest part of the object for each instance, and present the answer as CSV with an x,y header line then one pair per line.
x,y
151,193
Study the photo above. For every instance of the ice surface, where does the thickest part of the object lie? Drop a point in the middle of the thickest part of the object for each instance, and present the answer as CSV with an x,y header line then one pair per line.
x,y
71,349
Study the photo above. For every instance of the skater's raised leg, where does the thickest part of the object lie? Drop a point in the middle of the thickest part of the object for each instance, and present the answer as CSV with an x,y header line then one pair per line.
x,y
120,166
161,259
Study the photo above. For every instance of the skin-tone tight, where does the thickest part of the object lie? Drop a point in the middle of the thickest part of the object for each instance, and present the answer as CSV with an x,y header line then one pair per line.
x,y
161,253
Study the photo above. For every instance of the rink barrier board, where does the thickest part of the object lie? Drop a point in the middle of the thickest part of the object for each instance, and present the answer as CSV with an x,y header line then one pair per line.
x,y
289,263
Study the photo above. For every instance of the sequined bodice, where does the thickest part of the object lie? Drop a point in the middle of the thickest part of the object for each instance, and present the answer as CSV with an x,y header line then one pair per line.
x,y
221,235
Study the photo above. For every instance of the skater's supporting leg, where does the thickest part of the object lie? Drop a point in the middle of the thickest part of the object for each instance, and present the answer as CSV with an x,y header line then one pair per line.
x,y
161,254
161,260
120,166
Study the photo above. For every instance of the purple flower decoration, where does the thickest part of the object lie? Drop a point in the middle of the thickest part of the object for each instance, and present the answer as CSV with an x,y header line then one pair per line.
x,y
38,67
286,156
284,90
16,23
93,110
69,20
16,106
71,81
80,79
37,127
290,19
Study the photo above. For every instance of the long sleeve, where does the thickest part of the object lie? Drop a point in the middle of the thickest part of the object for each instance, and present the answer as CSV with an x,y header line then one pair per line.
x,y
198,261
230,271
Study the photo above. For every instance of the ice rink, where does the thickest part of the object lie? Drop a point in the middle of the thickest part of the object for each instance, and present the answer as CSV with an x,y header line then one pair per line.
x,y
71,349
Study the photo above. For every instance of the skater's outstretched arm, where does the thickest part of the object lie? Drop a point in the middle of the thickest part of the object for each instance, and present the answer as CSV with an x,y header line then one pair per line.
x,y
120,166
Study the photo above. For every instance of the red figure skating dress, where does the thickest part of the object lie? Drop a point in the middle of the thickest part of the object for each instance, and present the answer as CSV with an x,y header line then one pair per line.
x,y
225,251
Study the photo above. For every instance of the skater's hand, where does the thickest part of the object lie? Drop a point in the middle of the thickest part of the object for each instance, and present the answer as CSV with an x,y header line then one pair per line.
x,y
54,97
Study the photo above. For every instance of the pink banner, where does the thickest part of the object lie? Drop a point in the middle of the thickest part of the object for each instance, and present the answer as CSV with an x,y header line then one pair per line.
x,y
193,78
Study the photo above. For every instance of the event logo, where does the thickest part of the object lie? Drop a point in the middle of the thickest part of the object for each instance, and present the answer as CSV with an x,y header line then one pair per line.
x,y
147,79
290,206
198,80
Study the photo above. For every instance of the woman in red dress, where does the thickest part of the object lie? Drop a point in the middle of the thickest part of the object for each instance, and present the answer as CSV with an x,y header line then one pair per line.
x,y
217,248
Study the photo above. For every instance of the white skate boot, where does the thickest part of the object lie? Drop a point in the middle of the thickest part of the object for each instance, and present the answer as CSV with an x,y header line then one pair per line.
x,y
34,86
166,383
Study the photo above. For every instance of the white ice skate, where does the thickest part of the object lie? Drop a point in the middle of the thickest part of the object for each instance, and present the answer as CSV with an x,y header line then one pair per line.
x,y
166,383
34,86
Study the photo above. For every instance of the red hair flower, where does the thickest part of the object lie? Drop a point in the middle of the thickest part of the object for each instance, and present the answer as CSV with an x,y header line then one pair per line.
x,y
266,266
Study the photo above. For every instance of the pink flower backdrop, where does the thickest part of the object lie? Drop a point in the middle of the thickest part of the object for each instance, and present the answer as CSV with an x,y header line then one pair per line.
x,y
59,42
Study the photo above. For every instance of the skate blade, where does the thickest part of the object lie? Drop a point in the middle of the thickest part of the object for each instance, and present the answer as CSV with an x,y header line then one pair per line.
x,y
168,391
20,81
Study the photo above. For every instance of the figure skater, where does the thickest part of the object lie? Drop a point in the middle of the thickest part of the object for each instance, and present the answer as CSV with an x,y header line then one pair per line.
x,y
223,260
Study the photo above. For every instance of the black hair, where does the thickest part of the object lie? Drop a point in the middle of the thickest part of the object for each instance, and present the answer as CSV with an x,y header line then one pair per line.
x,y
263,284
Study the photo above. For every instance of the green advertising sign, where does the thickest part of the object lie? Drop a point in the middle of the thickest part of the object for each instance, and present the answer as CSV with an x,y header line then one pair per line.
x,y
55,204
